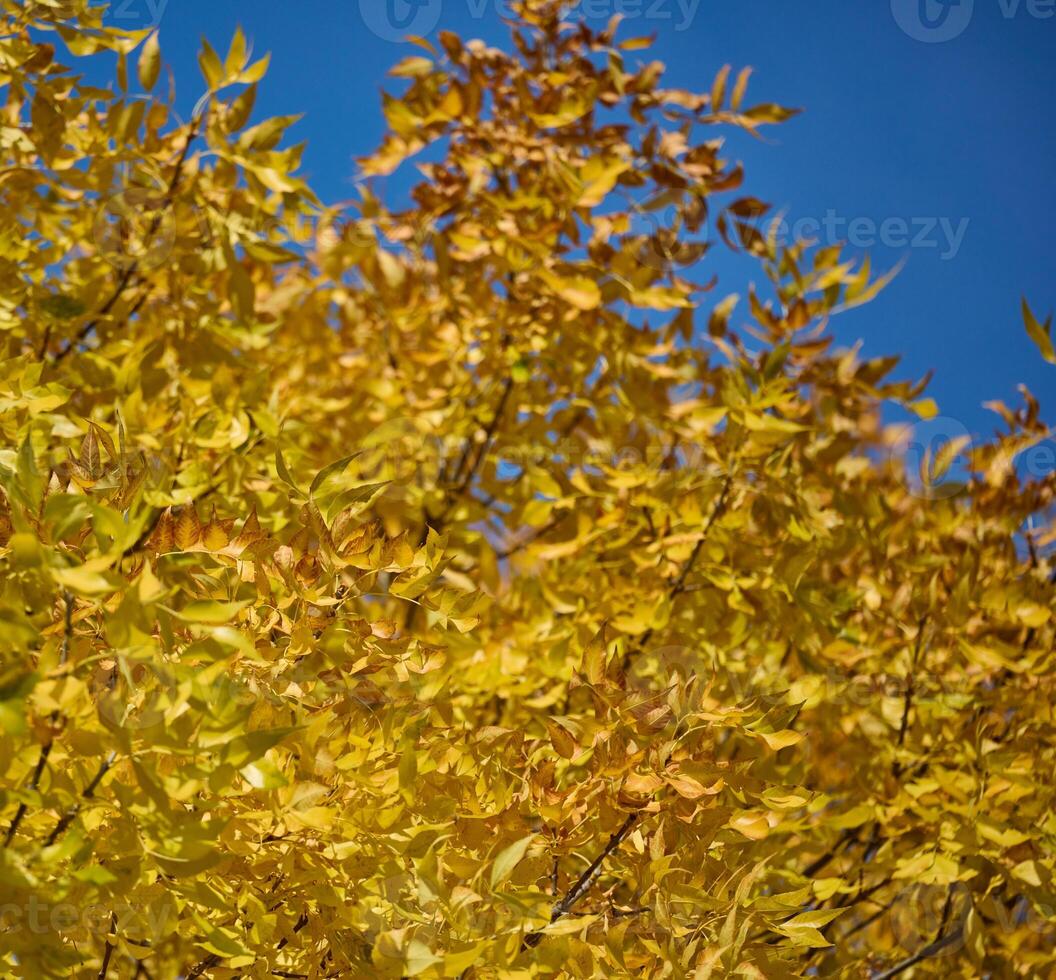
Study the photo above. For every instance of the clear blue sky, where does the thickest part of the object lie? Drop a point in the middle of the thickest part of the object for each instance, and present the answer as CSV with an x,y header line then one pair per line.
x,y
941,115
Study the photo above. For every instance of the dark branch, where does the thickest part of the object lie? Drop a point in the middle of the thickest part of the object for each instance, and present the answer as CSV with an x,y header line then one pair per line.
x,y
680,583
108,950
45,750
89,791
942,941
132,270
584,882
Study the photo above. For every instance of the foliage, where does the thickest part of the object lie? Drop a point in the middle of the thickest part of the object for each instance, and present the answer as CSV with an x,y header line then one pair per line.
x,y
462,591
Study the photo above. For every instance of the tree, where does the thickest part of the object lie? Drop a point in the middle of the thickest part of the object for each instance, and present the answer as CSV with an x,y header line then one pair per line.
x,y
462,590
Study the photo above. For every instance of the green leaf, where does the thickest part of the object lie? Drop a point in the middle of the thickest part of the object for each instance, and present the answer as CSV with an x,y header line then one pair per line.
x,y
209,611
286,476
263,774
87,582
508,859
319,484
65,513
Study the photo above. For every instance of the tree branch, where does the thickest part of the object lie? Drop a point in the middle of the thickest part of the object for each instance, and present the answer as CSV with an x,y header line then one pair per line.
x,y
680,583
207,964
896,766
584,882
934,948
89,791
463,480
132,270
45,750
108,950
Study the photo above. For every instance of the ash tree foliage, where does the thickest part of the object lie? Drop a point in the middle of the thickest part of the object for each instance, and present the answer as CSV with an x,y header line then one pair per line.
x,y
475,589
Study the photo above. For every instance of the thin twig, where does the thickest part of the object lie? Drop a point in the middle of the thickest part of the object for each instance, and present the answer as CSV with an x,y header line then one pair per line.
x,y
45,749
489,434
584,882
489,498
108,950
207,964
301,922
815,866
462,481
89,791
680,583
936,946
896,766
132,269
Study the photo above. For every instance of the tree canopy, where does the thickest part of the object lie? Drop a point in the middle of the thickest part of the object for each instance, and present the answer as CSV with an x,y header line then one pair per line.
x,y
466,586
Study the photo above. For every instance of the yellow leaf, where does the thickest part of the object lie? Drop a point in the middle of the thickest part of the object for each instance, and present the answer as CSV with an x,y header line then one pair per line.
x,y
595,657
562,741
236,54
214,536
508,859
754,826
637,784
926,408
210,611
149,62
581,292
686,786
804,929
419,958
188,529
1041,334
86,582
411,67
209,62
755,422
781,740
599,176
660,298
1033,614
1028,871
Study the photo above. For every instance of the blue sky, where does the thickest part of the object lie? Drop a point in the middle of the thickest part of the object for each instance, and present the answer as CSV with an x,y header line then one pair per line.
x,y
928,132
